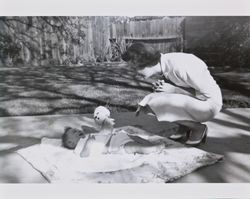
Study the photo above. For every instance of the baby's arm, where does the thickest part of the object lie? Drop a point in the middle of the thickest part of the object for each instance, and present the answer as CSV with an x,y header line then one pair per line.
x,y
107,144
90,146
81,145
107,128
87,146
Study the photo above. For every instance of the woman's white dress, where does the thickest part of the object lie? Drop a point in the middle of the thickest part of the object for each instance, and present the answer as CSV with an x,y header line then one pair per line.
x,y
185,70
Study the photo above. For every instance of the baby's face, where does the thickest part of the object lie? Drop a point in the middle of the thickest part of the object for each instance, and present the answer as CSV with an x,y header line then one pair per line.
x,y
73,136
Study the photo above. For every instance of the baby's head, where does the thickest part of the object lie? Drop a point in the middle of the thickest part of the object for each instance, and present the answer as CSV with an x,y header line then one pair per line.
x,y
71,137
100,114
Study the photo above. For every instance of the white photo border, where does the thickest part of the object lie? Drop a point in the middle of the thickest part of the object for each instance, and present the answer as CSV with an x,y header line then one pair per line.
x,y
125,8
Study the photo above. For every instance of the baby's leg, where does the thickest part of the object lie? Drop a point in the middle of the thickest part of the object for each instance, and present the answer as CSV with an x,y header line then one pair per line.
x,y
134,147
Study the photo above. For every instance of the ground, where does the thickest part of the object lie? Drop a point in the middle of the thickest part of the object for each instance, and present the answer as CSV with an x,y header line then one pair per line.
x,y
47,90
228,135
31,90
235,87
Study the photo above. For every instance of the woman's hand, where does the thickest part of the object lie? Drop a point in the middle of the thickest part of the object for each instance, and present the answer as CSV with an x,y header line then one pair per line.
x,y
162,86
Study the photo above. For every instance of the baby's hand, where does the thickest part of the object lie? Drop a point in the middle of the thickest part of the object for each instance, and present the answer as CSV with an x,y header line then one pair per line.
x,y
141,109
109,121
105,150
138,110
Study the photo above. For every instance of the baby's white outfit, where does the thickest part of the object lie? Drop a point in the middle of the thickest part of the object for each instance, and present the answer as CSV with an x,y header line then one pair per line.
x,y
114,144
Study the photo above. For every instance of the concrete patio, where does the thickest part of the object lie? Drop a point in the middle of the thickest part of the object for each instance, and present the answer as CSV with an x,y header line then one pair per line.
x,y
229,135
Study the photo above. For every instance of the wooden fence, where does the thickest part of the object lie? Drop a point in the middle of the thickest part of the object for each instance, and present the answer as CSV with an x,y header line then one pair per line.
x,y
165,34
105,38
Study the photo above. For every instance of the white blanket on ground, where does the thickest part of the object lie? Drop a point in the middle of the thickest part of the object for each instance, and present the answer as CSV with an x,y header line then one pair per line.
x,y
60,165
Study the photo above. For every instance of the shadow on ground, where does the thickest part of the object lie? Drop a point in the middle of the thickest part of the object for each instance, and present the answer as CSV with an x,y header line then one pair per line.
x,y
235,88
31,90
17,143
57,89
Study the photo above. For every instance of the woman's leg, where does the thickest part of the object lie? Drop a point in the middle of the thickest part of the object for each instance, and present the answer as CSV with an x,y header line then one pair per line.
x,y
177,107
191,124
182,109
198,132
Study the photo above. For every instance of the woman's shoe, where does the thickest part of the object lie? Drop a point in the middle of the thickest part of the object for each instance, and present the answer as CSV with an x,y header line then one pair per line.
x,y
179,135
195,140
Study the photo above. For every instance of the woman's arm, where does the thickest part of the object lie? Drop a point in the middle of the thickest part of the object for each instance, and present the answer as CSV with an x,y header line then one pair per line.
x,y
161,86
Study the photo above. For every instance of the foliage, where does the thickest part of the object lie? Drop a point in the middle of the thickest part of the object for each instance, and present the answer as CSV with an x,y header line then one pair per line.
x,y
235,43
228,44
9,48
39,35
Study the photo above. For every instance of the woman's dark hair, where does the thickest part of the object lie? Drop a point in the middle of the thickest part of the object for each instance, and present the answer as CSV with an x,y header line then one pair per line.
x,y
141,55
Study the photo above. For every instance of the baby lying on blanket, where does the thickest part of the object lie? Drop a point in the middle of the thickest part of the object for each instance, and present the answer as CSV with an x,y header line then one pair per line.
x,y
106,140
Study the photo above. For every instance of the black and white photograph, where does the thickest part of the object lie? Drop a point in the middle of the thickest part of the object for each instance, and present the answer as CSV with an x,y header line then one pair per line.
x,y
124,99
